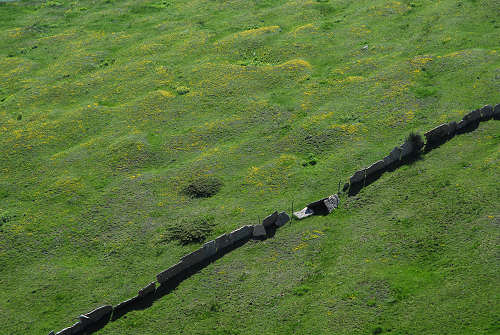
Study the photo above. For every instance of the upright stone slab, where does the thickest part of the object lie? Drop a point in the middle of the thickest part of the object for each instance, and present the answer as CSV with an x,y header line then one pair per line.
x,y
270,220
259,232
461,126
437,135
99,313
358,177
304,213
452,129
331,202
496,112
375,168
151,288
76,328
486,113
406,150
474,116
282,219
244,233
393,157
222,242
171,272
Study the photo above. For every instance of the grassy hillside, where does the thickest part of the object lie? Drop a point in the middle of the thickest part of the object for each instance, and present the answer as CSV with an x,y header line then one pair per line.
x,y
110,109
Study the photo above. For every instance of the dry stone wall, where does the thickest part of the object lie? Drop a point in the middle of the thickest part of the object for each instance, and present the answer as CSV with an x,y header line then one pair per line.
x,y
212,250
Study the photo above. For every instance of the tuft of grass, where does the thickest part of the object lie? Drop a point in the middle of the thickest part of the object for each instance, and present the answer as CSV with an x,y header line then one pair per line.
x,y
194,230
203,187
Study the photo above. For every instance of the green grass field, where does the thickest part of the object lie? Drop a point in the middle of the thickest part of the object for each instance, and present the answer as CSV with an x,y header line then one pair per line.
x,y
109,109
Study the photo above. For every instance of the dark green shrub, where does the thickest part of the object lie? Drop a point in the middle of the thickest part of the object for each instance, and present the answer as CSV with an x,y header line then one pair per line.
x,y
194,230
203,187
417,143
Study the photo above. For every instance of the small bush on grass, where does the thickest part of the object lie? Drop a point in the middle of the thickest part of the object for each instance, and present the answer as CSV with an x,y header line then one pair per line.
x,y
203,187
417,143
194,230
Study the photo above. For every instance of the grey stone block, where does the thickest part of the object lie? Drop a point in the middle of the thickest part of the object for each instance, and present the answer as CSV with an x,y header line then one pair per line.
x,y
357,177
486,113
304,213
222,242
270,220
147,290
331,203
74,329
52,333
200,255
259,231
406,150
461,125
375,168
393,157
496,112
473,116
99,313
171,272
438,134
243,233
452,128
282,219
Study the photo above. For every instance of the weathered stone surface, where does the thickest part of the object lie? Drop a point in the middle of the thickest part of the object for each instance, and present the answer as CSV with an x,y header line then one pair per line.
x,y
200,255
270,220
452,128
496,112
125,304
222,242
406,150
304,213
171,272
99,313
486,113
282,219
147,290
393,157
74,329
259,231
473,116
358,177
331,203
375,168
461,125
243,233
438,134
52,333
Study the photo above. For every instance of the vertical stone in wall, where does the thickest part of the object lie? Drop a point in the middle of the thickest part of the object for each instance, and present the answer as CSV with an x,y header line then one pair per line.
x,y
357,177
474,116
393,157
282,219
259,232
436,136
171,272
496,112
452,129
486,113
149,289
303,213
270,220
376,168
96,315
241,234
222,242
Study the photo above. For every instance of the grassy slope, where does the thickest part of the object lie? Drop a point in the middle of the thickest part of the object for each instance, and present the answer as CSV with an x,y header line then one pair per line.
x,y
91,173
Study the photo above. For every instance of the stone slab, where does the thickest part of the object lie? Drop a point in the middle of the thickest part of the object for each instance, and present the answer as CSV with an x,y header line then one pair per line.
x,y
74,329
496,112
437,134
147,290
452,128
222,242
473,116
270,220
357,177
375,168
331,202
243,233
304,213
461,125
99,313
486,113
282,219
406,150
259,231
171,272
